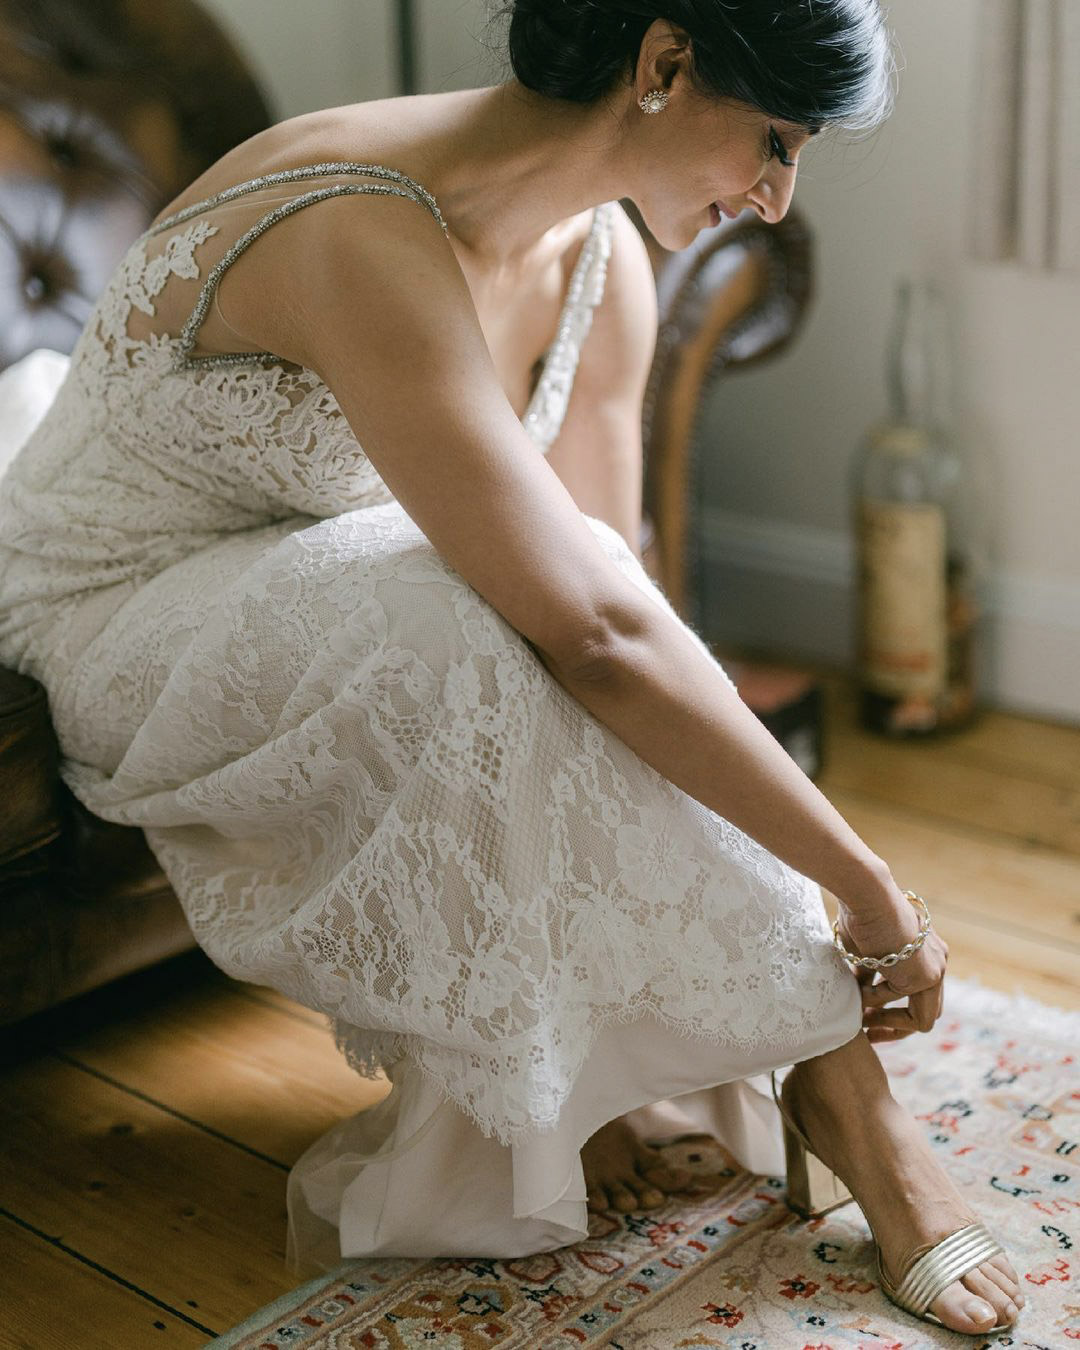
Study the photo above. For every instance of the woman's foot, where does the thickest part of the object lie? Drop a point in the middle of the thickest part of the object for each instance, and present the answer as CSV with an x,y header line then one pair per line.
x,y
842,1103
624,1173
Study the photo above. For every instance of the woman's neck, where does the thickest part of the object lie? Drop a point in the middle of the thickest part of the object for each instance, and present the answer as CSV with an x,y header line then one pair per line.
x,y
509,164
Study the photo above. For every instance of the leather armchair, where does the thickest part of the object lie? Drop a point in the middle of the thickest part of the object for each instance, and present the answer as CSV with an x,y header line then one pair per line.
x,y
107,108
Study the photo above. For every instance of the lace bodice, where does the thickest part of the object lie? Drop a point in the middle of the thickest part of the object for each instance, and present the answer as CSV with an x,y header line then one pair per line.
x,y
194,447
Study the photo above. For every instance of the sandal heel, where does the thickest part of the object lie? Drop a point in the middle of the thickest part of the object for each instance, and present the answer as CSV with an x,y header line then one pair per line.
x,y
812,1188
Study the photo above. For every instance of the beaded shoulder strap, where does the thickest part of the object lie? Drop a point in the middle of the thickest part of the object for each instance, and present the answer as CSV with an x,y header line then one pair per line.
x,y
401,186
301,172
547,408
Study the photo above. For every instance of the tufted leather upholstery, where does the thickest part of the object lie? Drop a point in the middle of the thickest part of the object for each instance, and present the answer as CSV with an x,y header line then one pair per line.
x,y
108,108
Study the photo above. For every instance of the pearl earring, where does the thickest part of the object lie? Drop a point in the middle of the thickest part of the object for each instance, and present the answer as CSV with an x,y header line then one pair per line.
x,y
654,101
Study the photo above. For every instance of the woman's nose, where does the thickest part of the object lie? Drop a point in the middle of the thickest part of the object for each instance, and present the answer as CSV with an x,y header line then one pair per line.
x,y
772,195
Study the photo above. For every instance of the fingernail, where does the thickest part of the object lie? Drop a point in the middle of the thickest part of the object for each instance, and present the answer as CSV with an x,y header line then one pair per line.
x,y
978,1311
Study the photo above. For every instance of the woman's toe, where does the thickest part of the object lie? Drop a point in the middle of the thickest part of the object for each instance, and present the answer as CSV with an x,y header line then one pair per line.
x,y
1005,1282
980,1284
649,1186
961,1310
623,1198
649,1196
1003,1266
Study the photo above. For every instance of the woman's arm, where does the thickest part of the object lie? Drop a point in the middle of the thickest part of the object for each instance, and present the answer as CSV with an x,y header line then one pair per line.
x,y
598,453
367,292
659,688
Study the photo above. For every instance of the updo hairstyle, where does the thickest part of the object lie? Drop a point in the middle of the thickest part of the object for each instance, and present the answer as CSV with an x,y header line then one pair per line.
x,y
816,63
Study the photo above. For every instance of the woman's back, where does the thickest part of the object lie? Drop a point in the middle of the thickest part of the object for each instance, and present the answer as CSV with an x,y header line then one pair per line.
x,y
517,310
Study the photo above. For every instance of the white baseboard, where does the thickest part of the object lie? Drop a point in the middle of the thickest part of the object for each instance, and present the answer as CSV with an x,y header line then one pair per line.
x,y
789,589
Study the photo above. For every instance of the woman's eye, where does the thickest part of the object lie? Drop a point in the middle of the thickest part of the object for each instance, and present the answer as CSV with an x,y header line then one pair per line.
x,y
778,149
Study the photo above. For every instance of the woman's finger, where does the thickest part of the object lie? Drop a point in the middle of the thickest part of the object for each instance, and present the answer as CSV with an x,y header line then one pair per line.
x,y
919,1015
925,1007
874,995
890,1017
884,1034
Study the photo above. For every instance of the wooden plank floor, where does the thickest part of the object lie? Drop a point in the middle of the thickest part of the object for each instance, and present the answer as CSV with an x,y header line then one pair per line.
x,y
148,1128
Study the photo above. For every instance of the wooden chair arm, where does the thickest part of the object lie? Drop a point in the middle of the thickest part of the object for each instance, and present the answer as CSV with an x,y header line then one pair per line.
x,y
735,297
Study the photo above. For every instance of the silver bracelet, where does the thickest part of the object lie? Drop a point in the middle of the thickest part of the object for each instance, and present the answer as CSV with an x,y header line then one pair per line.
x,y
878,962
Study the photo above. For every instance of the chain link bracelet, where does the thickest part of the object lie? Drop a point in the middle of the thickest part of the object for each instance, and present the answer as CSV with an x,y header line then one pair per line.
x,y
881,962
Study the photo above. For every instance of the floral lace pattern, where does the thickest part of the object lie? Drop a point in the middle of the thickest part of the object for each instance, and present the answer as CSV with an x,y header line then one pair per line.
x,y
364,786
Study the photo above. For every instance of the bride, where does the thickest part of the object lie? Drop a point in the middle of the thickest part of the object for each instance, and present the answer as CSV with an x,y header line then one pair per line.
x,y
335,591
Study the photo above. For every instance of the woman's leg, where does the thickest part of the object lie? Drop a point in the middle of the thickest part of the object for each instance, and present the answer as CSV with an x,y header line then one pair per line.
x,y
842,1102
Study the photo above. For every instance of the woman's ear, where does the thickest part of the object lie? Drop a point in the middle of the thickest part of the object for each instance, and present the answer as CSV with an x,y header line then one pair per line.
x,y
665,48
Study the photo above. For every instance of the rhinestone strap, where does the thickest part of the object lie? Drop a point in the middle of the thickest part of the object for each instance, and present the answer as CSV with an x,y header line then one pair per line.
x,y
880,962
189,332
304,171
547,406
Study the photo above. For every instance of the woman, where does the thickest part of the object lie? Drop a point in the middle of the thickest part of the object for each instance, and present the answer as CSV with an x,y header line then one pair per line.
x,y
413,735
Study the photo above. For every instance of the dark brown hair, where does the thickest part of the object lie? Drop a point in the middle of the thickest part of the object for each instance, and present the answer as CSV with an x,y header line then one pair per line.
x,y
812,62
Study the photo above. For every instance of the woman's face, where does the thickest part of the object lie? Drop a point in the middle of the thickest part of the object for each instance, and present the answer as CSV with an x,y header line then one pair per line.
x,y
699,150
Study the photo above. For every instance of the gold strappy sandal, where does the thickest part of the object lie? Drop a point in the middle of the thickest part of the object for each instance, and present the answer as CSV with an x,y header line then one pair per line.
x,y
930,1274
813,1190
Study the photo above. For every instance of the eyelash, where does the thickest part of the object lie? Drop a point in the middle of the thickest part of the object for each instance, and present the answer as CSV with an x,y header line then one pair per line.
x,y
777,148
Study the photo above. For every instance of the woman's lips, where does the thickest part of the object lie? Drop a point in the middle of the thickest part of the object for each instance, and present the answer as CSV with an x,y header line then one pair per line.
x,y
719,209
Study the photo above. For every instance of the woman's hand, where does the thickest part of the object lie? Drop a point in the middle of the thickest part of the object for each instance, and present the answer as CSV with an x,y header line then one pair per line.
x,y
919,978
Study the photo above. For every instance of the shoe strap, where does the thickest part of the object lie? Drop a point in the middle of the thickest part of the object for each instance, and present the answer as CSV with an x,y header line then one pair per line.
x,y
787,1118
948,1260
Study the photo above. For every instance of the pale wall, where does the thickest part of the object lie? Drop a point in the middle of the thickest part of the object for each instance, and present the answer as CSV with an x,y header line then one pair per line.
x,y
321,53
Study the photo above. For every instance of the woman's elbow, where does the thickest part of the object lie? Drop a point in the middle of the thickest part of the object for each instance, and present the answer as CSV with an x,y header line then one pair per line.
x,y
609,648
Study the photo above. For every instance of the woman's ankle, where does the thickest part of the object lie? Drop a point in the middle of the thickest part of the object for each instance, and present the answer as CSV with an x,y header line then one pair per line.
x,y
854,1061
845,1087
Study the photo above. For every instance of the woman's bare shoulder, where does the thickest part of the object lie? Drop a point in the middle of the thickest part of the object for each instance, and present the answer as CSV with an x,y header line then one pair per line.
x,y
309,278
355,133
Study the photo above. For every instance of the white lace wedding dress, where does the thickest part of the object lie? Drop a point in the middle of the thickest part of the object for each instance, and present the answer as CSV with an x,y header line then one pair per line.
x,y
367,790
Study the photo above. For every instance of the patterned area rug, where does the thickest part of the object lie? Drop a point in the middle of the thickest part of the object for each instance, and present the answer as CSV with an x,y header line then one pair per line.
x,y
728,1266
